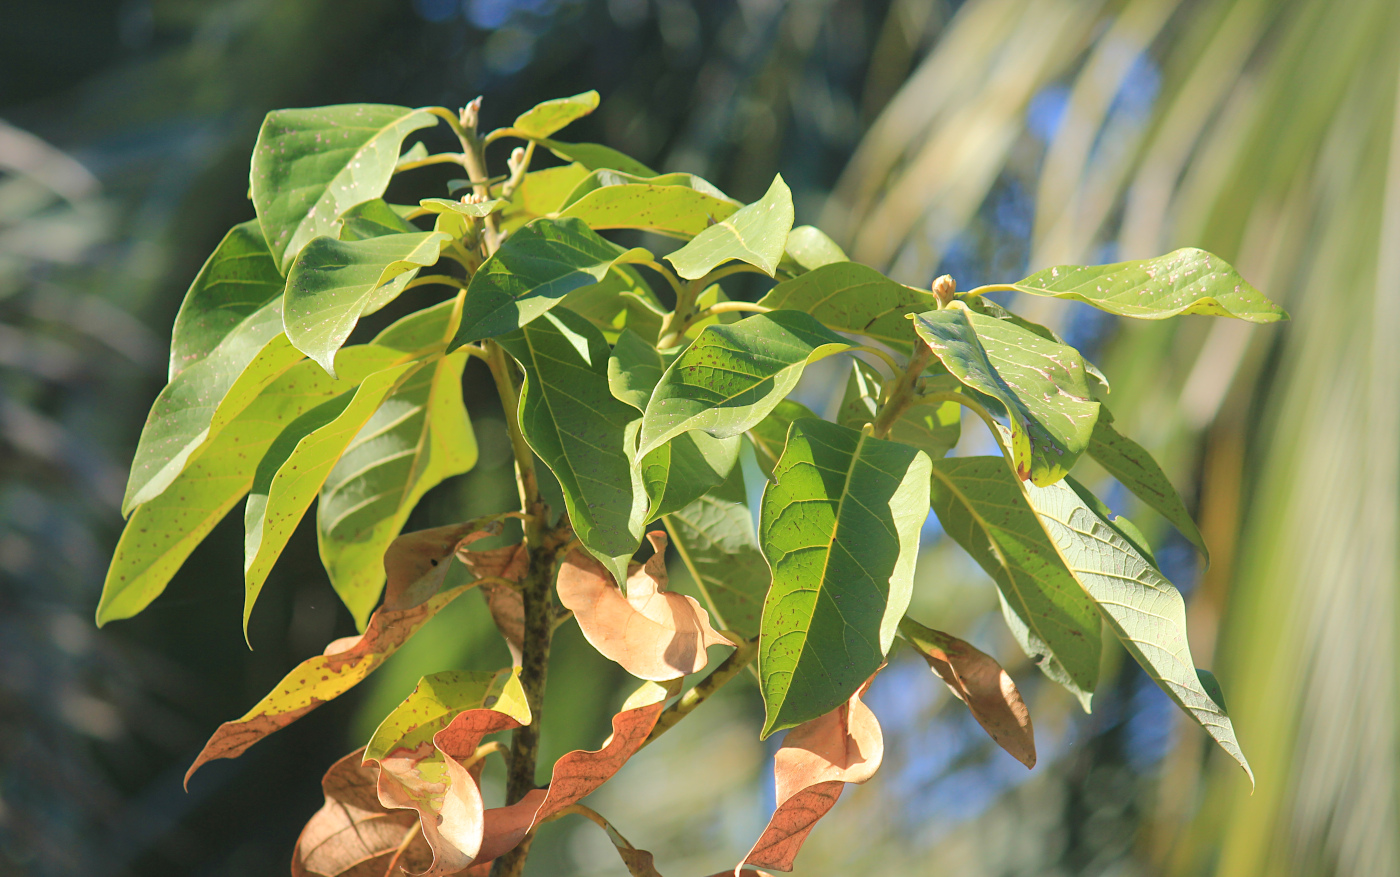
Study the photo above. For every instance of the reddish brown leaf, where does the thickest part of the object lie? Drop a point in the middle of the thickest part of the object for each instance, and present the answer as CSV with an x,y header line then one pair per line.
x,y
812,766
416,567
506,605
978,680
652,633
352,835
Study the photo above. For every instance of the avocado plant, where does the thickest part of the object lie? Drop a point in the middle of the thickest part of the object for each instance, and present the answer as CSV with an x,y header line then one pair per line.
x,y
639,384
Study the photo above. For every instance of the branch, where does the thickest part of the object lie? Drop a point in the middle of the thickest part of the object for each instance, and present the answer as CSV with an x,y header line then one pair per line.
x,y
732,666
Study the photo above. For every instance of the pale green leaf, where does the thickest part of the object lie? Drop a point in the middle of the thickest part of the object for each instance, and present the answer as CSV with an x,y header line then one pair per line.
x,y
850,297
732,376
334,283
840,529
594,156
541,193
1143,608
932,427
532,271
982,508
475,210
571,420
420,436
755,234
677,205
310,166
1186,281
432,705
545,118
374,219
621,300
416,152
810,248
986,306
1038,386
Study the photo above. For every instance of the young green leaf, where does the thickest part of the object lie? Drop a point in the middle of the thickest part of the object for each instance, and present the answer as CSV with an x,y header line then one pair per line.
x,y
932,427
312,165
295,467
840,528
541,193
545,118
676,205
755,234
810,248
1038,385
732,376
532,271
714,537
416,152
571,420
334,283
1135,469
1143,608
236,282
420,436
769,435
374,219
593,156
850,297
980,506
474,210
1187,281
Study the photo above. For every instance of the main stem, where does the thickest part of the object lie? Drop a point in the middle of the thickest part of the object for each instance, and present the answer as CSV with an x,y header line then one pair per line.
x,y
540,541
904,391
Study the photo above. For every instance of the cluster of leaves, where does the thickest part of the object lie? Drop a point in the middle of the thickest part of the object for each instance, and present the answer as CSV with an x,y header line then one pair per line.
x,y
640,404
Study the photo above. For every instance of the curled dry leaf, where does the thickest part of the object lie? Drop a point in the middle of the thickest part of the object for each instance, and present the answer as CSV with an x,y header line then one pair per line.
x,y
506,605
811,768
980,682
416,569
353,835
652,633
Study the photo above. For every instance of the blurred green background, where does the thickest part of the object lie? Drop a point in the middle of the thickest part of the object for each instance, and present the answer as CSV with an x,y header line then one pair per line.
x,y
985,138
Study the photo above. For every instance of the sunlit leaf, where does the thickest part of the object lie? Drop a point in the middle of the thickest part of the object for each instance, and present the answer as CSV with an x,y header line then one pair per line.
x,y
545,118
810,248
541,193
678,205
593,156
769,435
755,234
840,528
312,165
850,297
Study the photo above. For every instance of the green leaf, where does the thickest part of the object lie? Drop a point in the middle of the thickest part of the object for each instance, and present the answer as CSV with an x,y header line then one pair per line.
x,y
571,420
374,219
162,532
449,205
294,468
311,166
416,152
541,193
532,271
678,205
1187,281
1037,385
850,297
1135,469
714,537
420,436
635,367
755,234
1144,609
840,529
732,376
932,427
334,283
432,705
986,306
769,435
238,280
982,508
621,300
545,118
810,248
200,400
685,469
594,157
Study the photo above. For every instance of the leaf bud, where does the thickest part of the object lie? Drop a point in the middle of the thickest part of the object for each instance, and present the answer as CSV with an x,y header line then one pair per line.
x,y
943,289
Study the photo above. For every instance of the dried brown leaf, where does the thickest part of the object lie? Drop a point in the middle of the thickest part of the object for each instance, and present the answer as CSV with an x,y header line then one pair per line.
x,y
416,568
811,768
652,633
979,681
352,835
506,605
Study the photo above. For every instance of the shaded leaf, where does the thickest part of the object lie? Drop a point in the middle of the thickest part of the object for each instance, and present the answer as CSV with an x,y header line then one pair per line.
x,y
977,680
932,427
810,248
310,166
1135,469
506,605
374,219
850,297
532,271
677,205
731,377
755,234
545,118
635,368
621,300
571,420
238,279
294,468
653,633
1038,386
417,567
811,769
640,863
981,507
334,283
714,537
1186,281
352,835
594,156
1143,608
840,528
769,435
685,469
